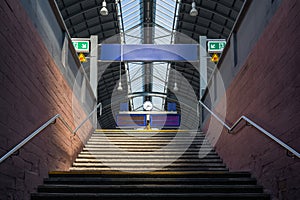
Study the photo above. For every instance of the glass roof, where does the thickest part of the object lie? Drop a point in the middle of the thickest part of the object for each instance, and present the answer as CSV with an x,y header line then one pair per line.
x,y
131,20
128,19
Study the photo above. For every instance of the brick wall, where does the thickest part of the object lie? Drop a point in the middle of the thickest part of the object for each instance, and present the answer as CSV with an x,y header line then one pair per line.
x,y
267,90
33,90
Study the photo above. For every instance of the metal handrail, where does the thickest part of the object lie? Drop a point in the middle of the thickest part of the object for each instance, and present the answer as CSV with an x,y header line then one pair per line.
x,y
79,126
230,129
45,125
27,139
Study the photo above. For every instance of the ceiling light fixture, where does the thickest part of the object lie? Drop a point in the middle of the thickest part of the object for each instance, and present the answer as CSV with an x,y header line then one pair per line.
x,y
120,82
193,11
175,87
120,88
104,11
175,84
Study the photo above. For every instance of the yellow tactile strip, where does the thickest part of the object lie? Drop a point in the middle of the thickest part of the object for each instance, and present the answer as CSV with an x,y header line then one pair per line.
x,y
124,173
141,130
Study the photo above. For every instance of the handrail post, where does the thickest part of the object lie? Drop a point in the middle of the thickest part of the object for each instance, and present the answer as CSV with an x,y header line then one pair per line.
x,y
280,142
100,109
198,107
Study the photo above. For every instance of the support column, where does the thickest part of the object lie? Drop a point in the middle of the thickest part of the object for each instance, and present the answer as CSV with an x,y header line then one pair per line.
x,y
94,71
203,65
94,64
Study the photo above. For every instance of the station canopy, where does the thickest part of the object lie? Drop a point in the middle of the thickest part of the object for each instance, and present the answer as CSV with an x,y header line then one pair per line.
x,y
147,22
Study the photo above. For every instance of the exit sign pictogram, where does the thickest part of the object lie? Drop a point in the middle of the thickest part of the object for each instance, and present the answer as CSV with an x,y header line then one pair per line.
x,y
81,46
216,46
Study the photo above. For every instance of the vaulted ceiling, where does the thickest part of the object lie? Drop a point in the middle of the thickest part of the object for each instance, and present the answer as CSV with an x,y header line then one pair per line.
x,y
215,19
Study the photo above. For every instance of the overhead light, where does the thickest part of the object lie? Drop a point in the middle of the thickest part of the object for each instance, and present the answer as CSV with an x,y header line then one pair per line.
x,y
175,77
193,11
104,11
175,87
120,88
120,82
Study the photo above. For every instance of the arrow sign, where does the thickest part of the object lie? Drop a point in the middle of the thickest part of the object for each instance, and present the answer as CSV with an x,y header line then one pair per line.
x,y
81,46
216,46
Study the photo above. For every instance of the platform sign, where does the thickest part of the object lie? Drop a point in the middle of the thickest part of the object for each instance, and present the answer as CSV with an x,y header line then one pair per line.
x,y
216,46
149,52
81,46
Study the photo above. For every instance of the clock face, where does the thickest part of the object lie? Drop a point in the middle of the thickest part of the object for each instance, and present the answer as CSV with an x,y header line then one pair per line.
x,y
148,105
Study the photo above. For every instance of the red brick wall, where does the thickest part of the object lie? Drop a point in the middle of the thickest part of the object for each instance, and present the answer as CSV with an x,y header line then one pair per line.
x,y
32,91
267,90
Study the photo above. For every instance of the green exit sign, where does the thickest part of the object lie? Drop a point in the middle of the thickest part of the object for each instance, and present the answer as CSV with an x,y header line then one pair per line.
x,y
81,46
216,46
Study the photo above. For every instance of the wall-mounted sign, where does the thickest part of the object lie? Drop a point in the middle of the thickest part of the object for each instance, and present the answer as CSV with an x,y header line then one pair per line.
x,y
214,58
81,46
216,46
82,58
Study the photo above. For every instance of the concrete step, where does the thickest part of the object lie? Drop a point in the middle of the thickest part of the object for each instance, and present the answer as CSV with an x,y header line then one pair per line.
x,y
158,151
143,166
146,160
136,169
124,181
151,196
153,151
153,174
144,142
152,139
151,131
143,156
146,188
153,136
203,152
145,146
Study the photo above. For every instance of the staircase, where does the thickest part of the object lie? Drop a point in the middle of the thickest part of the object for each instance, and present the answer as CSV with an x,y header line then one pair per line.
x,y
149,165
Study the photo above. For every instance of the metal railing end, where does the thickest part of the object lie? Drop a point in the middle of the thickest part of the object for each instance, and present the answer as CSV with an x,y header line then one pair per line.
x,y
74,132
291,154
290,151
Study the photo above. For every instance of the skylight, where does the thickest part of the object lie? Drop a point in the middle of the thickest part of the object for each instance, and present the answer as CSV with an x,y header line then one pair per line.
x,y
162,28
